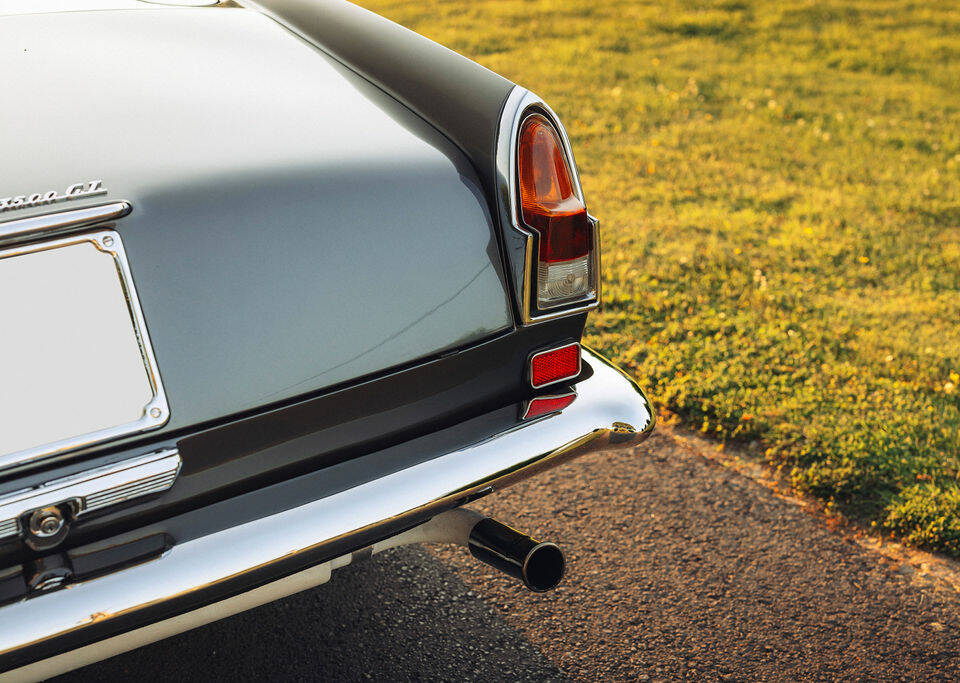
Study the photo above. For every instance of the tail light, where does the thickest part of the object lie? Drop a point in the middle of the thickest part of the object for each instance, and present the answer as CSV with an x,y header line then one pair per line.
x,y
551,206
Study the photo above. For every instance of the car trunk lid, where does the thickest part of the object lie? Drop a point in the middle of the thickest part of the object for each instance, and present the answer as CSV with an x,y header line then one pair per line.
x,y
293,228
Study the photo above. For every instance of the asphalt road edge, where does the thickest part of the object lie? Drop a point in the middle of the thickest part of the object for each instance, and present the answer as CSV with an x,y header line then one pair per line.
x,y
923,569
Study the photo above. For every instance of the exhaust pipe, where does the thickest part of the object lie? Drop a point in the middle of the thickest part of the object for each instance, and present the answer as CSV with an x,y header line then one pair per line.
x,y
538,565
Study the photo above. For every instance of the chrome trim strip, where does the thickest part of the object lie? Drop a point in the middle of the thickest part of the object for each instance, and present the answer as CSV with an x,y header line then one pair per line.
x,y
93,490
610,411
515,112
156,412
535,354
61,221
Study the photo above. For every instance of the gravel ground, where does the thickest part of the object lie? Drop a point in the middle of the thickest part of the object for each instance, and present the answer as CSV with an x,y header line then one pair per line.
x,y
677,568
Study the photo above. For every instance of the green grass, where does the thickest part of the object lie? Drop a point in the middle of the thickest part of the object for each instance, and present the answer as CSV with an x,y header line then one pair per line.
x,y
778,185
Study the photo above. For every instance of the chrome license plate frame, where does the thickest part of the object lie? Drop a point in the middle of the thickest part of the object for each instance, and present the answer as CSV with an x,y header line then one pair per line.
x,y
126,349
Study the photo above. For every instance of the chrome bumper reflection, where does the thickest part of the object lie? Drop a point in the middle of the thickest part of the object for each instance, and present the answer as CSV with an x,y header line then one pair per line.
x,y
610,412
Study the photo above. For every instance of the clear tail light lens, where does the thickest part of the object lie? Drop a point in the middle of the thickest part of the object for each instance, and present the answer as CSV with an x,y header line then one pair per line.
x,y
550,206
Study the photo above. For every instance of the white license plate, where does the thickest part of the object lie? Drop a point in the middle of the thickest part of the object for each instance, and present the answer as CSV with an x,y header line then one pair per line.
x,y
76,366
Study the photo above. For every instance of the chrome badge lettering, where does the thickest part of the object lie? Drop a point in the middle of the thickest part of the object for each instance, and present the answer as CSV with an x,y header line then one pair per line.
x,y
75,191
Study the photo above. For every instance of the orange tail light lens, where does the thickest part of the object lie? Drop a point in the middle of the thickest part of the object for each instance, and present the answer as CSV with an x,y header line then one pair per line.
x,y
550,206
547,198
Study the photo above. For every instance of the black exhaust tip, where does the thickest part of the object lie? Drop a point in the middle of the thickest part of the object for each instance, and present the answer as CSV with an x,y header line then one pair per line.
x,y
539,566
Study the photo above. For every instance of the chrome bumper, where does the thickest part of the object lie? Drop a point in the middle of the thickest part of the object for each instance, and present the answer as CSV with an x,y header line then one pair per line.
x,y
610,412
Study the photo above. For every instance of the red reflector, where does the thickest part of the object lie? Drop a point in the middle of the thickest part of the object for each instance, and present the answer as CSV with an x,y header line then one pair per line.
x,y
555,365
547,404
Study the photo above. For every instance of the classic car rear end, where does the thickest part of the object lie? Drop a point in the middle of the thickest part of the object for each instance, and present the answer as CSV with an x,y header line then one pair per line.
x,y
281,285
